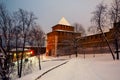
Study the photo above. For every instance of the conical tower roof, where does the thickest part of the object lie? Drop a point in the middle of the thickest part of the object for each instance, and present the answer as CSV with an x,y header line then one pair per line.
x,y
63,21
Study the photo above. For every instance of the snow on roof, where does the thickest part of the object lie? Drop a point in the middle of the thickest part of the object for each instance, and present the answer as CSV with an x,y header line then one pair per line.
x,y
63,21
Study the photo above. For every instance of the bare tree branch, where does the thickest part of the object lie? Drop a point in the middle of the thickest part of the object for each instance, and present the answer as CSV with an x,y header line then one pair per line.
x,y
100,20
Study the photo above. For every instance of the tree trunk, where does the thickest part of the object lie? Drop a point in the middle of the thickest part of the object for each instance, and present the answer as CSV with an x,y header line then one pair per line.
x,y
76,54
17,57
116,47
20,74
107,44
84,54
39,58
116,36
39,62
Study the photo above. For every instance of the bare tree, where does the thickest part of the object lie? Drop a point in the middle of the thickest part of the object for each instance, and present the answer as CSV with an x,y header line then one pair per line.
x,y
5,42
17,40
72,43
38,37
93,30
115,11
26,19
79,29
115,18
116,37
78,37
99,18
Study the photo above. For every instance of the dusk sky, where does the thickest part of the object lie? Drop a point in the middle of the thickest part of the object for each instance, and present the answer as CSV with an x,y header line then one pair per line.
x,y
49,12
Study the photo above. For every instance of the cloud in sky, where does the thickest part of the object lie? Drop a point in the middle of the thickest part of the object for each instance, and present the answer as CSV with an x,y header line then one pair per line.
x,y
49,12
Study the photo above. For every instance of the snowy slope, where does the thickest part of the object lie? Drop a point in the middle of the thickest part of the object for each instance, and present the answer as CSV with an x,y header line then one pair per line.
x,y
102,67
46,64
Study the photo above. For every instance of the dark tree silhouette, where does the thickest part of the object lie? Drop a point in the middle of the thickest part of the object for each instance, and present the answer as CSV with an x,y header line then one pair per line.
x,y
25,20
79,29
38,36
99,18
114,13
5,43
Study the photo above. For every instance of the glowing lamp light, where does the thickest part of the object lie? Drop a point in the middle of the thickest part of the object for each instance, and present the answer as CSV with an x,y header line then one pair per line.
x,y
14,54
31,52
28,53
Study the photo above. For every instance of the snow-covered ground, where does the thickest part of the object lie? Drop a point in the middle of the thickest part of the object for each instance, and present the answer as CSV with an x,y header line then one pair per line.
x,y
46,64
100,67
